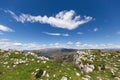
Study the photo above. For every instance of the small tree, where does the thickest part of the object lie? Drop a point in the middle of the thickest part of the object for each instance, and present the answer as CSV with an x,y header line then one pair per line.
x,y
0,72
39,73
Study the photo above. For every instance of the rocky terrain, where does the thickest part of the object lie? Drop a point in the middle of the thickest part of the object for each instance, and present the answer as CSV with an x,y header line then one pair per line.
x,y
81,65
17,65
98,64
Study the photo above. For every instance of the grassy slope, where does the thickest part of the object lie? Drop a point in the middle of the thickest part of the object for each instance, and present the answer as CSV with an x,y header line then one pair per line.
x,y
111,61
24,71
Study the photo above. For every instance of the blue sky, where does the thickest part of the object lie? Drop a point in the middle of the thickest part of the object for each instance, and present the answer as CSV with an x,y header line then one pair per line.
x,y
40,24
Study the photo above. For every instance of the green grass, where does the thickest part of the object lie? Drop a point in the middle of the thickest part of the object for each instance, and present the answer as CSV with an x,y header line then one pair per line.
x,y
24,71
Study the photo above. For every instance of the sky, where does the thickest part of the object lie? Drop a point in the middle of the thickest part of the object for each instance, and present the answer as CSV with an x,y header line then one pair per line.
x,y
38,24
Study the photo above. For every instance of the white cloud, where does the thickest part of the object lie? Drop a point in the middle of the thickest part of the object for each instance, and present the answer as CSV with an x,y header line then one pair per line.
x,y
64,19
78,44
4,40
17,44
7,44
55,45
56,34
118,32
69,43
95,29
65,35
5,28
80,33
53,34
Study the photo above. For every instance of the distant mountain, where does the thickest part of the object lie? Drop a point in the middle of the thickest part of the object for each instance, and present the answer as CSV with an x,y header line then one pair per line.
x,y
57,50
50,52
54,51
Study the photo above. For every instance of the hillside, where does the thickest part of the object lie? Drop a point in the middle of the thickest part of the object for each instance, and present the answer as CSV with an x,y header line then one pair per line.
x,y
16,65
99,64
85,65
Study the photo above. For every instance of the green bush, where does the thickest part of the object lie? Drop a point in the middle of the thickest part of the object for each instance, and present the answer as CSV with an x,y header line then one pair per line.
x,y
39,73
0,72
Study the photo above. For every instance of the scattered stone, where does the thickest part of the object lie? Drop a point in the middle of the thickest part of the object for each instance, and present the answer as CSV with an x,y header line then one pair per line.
x,y
68,68
43,58
60,71
33,59
44,72
38,61
117,78
37,70
26,64
88,68
44,62
33,73
14,65
47,75
87,76
48,66
5,63
99,78
64,78
8,66
62,64
78,74
54,75
83,78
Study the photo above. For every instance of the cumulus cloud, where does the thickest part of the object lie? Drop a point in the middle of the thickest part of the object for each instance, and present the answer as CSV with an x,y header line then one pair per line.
x,y
78,44
65,35
56,34
5,28
69,43
118,32
80,33
95,29
53,34
4,40
100,46
64,19
7,44
17,44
